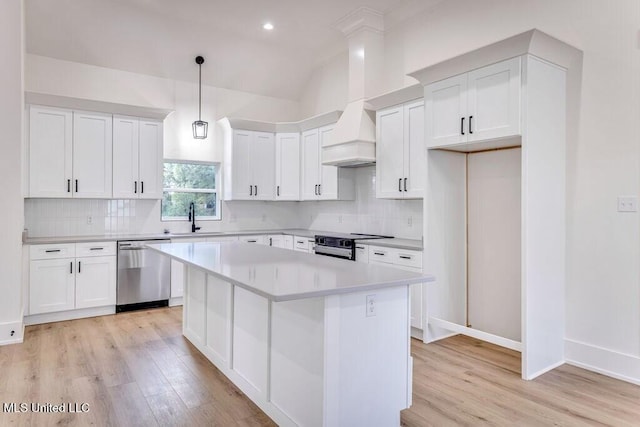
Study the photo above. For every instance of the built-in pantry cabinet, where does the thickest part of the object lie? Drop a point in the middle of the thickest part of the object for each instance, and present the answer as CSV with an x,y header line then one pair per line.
x,y
69,153
479,105
400,151
137,158
71,276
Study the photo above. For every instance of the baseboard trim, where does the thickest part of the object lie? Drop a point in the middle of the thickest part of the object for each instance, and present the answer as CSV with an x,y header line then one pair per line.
x,y
175,301
6,329
621,366
59,316
474,333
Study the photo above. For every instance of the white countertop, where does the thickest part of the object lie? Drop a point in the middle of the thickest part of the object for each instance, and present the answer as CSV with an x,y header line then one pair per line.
x,y
282,274
392,243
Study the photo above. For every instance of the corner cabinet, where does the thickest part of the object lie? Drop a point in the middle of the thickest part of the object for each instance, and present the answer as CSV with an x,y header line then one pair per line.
x,y
69,153
321,182
251,159
137,158
400,152
482,104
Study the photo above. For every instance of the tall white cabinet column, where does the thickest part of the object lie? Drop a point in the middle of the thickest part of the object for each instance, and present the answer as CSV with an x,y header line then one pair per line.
x,y
502,96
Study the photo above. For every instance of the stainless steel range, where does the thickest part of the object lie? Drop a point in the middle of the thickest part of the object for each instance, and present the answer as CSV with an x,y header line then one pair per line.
x,y
341,245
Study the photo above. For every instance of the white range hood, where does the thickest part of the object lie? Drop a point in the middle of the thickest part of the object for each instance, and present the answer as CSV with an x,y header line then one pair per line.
x,y
353,141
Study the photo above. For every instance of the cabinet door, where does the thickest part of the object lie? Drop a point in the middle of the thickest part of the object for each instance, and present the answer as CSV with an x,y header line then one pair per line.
x,y
390,153
310,164
50,152
241,168
328,174
125,158
415,153
92,151
276,240
263,165
288,166
494,101
95,281
150,160
51,285
446,112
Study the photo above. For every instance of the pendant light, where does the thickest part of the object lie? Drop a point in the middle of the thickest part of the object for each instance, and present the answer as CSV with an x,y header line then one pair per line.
x,y
200,127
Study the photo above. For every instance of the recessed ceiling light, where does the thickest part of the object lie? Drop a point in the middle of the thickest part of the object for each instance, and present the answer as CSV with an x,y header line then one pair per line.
x,y
268,26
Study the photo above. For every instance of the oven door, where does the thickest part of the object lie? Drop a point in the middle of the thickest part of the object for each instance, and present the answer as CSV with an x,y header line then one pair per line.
x,y
343,253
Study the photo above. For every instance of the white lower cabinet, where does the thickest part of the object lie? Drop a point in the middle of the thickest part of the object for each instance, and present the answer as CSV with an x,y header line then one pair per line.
x,y
259,239
407,260
60,281
304,244
284,241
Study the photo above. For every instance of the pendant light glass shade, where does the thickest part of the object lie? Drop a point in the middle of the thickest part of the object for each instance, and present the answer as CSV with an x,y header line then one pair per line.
x,y
200,127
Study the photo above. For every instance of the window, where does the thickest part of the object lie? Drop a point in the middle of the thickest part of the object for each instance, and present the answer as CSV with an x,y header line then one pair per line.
x,y
186,182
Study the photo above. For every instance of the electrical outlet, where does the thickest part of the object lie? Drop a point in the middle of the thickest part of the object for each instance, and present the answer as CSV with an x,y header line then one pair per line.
x,y
371,305
89,220
627,204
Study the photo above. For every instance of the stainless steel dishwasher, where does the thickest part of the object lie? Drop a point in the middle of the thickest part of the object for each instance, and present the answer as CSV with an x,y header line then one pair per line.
x,y
144,276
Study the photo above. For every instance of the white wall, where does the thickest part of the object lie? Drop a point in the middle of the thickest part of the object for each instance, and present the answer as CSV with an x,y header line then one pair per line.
x,y
327,89
603,246
11,122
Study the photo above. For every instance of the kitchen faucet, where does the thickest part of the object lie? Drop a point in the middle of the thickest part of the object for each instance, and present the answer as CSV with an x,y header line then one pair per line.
x,y
192,217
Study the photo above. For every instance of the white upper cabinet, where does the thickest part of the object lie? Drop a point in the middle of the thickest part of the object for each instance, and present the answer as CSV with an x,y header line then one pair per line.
x,y
287,166
50,152
150,159
252,163
69,153
400,152
137,158
321,182
92,155
480,105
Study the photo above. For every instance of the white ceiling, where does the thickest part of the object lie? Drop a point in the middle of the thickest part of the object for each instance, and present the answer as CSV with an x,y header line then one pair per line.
x,y
162,37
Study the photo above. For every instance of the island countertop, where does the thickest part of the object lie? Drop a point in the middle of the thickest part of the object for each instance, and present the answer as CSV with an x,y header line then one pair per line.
x,y
284,275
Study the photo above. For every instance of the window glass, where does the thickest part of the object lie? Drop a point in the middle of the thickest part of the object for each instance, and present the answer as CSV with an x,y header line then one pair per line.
x,y
186,182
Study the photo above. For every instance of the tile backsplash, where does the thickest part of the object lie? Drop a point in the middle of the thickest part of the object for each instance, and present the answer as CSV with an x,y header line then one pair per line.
x,y
71,217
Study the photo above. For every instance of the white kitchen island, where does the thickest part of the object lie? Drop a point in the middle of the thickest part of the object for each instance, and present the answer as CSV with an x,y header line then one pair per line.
x,y
312,340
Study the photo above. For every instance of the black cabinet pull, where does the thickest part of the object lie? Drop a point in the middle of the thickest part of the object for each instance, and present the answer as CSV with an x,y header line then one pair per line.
x,y
251,190
405,257
278,191
359,247
399,184
76,185
405,184
319,189
256,189
135,187
52,250
470,118
68,186
316,190
252,241
462,126
142,187
96,249
379,253
270,241
79,266
71,267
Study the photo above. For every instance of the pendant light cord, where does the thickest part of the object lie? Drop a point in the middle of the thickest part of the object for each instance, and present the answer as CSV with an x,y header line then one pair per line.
x,y
199,92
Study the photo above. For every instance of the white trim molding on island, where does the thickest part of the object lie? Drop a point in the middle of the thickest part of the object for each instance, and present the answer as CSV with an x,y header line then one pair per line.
x,y
312,340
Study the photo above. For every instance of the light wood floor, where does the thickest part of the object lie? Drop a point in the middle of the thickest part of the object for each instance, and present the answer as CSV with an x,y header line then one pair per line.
x,y
137,369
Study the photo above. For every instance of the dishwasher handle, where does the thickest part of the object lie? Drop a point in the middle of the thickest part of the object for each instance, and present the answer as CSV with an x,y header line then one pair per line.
x,y
132,248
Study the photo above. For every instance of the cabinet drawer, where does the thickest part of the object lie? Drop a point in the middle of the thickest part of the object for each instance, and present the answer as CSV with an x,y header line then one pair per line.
x,y
301,243
362,253
381,254
95,249
64,250
408,258
259,239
